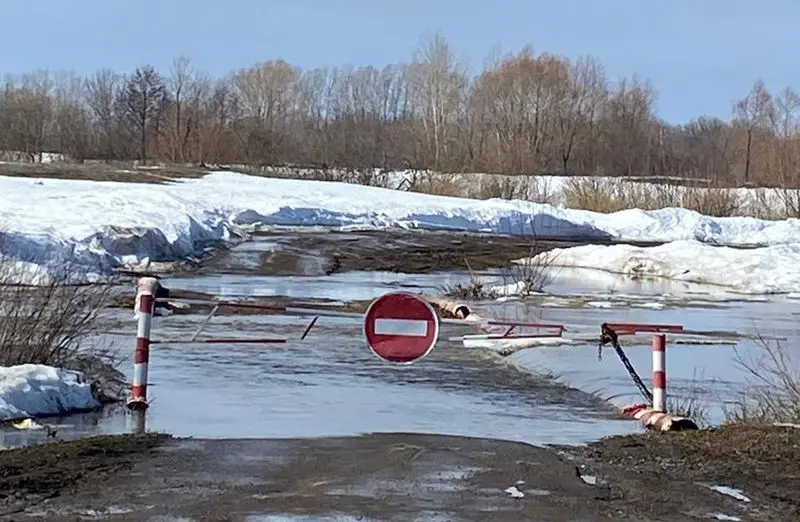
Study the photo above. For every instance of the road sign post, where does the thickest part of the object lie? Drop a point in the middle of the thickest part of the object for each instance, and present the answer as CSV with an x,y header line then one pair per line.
x,y
400,327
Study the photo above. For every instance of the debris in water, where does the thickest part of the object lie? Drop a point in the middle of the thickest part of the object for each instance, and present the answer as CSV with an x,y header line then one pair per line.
x,y
27,424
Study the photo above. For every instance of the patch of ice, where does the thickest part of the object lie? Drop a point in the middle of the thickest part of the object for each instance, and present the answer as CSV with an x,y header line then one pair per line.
x,y
35,390
512,290
651,305
482,341
731,492
599,304
514,492
767,270
722,516
106,512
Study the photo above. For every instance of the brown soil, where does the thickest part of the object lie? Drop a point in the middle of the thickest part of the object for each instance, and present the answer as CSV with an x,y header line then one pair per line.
x,y
761,461
34,474
401,477
100,172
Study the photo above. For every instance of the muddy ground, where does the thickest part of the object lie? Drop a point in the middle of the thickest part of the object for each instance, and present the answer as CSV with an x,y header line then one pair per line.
x,y
407,477
411,252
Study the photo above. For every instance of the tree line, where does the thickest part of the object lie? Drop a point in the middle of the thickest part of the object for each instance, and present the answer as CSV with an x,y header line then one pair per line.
x,y
524,113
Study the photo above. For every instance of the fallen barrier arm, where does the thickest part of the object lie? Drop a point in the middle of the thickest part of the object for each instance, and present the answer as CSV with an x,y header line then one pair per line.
x,y
609,334
653,416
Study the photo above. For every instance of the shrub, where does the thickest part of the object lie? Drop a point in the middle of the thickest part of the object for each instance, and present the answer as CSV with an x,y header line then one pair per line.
x,y
773,385
436,184
49,323
532,274
526,276
612,195
719,202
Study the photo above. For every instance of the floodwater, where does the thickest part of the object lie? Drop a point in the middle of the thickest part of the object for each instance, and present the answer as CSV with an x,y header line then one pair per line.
x,y
330,384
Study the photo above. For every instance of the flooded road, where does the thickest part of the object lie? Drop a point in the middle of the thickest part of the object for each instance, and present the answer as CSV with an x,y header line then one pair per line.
x,y
331,385
277,429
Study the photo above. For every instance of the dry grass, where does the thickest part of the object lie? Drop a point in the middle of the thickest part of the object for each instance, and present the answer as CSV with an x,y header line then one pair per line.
x,y
773,385
612,195
51,323
523,278
531,274
127,172
476,289
689,402
438,184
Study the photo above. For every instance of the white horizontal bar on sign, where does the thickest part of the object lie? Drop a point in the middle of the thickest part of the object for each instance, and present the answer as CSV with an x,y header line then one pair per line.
x,y
409,327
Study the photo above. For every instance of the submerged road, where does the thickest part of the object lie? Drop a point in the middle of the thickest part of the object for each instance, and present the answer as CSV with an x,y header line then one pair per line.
x,y
331,385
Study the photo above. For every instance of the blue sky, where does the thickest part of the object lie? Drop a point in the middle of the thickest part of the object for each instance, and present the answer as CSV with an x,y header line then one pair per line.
x,y
700,54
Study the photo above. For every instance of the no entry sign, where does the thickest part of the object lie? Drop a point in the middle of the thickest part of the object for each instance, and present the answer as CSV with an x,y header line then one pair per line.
x,y
400,327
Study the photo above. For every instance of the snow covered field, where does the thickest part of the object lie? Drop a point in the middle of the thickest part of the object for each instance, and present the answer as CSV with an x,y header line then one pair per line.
x,y
103,225
555,190
767,270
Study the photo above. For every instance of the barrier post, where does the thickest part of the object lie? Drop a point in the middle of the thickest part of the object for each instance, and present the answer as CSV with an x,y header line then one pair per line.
x,y
660,373
147,289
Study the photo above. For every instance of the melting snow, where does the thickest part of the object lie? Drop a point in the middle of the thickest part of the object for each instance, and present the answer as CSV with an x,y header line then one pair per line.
x,y
107,225
34,390
772,269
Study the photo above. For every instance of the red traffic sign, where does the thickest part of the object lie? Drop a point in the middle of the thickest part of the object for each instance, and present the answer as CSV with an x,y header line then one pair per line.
x,y
400,327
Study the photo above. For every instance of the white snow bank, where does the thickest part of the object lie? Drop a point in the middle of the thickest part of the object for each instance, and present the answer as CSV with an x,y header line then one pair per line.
x,y
107,225
766,270
35,390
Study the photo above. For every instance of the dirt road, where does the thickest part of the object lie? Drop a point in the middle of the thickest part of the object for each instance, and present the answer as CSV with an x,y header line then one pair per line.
x,y
406,477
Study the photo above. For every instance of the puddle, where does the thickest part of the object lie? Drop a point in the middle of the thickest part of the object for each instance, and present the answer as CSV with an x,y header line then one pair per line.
x,y
447,481
309,518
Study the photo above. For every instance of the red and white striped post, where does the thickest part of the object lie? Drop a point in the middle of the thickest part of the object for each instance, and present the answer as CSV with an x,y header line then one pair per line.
x,y
660,373
147,288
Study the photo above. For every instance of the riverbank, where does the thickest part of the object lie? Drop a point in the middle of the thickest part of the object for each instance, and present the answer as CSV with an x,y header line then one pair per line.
x,y
664,477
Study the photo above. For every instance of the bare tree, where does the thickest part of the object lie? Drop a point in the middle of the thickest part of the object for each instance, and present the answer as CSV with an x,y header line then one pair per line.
x,y
524,113
144,102
72,127
102,91
438,82
266,92
754,111
30,105
629,127
585,90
